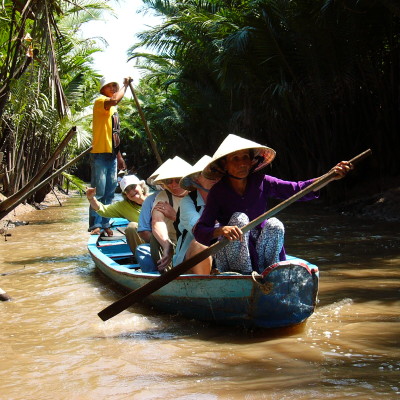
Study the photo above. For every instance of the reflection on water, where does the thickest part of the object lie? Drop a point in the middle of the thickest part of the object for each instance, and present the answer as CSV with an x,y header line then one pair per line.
x,y
55,347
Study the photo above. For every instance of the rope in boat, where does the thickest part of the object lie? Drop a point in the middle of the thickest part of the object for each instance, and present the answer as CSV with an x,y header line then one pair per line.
x,y
265,287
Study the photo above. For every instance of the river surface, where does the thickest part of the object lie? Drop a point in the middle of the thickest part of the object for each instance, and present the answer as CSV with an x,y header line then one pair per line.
x,y
54,346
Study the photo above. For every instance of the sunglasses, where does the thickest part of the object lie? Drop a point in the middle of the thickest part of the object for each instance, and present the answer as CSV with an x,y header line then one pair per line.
x,y
170,181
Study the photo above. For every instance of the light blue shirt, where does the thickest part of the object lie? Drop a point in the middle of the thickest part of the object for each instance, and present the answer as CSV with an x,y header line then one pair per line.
x,y
187,220
144,223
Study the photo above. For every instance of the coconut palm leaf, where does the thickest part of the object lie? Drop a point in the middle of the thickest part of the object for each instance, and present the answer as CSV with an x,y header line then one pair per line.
x,y
75,182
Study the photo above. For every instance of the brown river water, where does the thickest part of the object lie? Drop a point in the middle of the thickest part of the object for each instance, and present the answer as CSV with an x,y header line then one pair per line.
x,y
54,346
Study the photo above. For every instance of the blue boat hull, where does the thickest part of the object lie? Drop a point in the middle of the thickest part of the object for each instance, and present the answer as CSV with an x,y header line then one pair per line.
x,y
284,295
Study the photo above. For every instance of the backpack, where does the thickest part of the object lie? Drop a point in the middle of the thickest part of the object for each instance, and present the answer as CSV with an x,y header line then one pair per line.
x,y
193,196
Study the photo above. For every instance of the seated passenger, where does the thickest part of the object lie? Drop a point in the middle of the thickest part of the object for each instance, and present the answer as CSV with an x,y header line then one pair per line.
x,y
241,196
164,218
191,208
142,253
134,192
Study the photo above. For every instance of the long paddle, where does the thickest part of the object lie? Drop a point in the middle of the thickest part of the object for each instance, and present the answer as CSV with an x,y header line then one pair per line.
x,y
155,284
146,127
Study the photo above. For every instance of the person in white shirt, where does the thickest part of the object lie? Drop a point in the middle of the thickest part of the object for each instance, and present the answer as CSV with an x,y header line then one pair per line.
x,y
191,208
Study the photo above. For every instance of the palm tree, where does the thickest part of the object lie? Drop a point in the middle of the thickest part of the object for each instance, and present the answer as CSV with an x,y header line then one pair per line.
x,y
315,79
50,92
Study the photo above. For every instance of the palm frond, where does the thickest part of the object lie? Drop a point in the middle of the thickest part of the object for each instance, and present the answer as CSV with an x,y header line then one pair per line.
x,y
75,182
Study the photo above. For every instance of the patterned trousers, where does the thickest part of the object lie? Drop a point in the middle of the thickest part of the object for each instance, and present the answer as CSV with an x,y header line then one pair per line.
x,y
235,256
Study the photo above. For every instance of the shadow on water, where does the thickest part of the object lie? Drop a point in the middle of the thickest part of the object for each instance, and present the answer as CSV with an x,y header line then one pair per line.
x,y
39,222
30,271
176,326
52,259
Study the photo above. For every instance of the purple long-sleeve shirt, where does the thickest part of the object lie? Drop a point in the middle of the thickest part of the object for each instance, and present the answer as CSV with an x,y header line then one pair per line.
x,y
223,201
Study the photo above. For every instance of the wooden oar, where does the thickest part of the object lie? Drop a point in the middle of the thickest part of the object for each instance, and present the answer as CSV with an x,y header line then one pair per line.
x,y
146,127
157,283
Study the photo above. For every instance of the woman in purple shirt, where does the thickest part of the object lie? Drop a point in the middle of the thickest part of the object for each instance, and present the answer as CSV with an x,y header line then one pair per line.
x,y
241,196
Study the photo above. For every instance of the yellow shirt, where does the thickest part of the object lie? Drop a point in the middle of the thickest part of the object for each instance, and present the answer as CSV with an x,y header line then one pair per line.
x,y
102,126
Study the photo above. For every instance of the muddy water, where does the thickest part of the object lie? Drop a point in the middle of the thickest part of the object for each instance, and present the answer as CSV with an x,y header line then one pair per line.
x,y
54,346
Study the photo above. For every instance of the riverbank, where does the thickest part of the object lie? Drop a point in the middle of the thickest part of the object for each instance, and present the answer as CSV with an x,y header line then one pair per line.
x,y
384,206
20,214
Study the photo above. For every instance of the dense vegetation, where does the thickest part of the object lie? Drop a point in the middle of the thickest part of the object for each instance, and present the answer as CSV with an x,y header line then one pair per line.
x,y
46,83
317,80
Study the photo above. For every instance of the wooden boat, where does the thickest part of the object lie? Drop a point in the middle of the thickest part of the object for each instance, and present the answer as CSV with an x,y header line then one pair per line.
x,y
283,295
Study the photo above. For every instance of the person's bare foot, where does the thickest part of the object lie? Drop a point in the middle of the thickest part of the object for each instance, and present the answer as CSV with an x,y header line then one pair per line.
x,y
95,231
108,231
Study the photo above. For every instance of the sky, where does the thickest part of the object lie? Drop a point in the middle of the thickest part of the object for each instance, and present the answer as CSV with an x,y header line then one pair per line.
x,y
119,32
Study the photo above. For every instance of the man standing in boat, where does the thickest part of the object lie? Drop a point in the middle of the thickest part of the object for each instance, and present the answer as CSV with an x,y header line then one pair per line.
x,y
105,156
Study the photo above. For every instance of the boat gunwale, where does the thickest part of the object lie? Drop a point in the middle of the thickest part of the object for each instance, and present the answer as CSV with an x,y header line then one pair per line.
x,y
249,301
93,249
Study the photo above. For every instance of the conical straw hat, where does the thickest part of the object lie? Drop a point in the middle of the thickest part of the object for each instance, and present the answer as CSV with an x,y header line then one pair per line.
x,y
187,181
231,144
176,168
150,179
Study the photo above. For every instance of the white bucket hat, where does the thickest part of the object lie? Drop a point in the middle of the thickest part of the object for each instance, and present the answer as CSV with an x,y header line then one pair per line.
x,y
263,155
128,180
105,80
176,168
187,181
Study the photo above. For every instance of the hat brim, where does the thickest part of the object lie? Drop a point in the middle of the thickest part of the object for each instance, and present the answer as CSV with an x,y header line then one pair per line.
x,y
101,89
187,181
153,176
175,169
131,184
129,180
214,170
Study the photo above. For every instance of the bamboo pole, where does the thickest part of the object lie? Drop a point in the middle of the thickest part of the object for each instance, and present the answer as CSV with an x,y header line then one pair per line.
x,y
15,198
3,213
149,135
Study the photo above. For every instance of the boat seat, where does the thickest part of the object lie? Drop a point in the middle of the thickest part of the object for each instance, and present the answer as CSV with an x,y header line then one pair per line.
x,y
114,237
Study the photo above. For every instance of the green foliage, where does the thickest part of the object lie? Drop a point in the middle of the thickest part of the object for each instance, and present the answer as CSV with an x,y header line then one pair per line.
x,y
75,182
317,80
47,82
